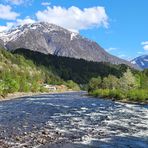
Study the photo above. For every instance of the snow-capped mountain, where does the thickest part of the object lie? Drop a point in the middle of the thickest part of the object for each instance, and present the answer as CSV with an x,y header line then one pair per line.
x,y
2,44
141,61
52,39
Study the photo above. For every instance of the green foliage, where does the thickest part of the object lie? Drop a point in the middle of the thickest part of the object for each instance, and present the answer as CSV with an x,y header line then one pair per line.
x,y
20,75
110,82
11,85
127,81
78,70
2,86
43,89
119,82
128,87
144,79
100,92
72,85
94,83
107,93
138,95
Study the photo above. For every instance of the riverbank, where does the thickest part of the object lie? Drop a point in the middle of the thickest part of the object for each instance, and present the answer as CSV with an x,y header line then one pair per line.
x,y
11,96
16,95
102,95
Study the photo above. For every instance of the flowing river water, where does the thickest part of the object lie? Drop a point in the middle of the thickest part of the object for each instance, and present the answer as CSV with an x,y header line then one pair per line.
x,y
72,120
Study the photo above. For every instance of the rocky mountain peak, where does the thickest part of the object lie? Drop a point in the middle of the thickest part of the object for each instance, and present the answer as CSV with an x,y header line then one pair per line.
x,y
141,61
52,39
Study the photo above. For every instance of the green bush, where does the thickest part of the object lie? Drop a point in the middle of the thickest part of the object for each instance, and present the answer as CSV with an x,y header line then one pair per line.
x,y
18,74
131,95
138,95
132,87
94,83
72,85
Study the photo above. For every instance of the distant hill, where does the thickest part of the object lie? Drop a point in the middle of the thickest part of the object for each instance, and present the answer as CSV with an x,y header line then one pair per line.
x,y
52,39
141,61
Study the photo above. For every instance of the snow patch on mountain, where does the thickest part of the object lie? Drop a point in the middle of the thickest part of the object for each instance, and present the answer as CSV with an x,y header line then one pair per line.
x,y
52,39
133,62
141,61
15,33
73,35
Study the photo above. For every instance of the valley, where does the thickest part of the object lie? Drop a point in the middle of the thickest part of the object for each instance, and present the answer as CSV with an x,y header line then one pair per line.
x,y
60,89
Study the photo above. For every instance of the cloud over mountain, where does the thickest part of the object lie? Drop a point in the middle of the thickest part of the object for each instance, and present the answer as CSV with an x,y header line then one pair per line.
x,y
74,18
145,45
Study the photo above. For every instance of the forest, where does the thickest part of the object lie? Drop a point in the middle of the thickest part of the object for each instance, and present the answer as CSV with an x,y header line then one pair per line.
x,y
18,74
24,70
78,70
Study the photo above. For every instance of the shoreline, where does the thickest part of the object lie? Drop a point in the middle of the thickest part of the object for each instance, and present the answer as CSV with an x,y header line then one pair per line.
x,y
120,101
132,102
17,95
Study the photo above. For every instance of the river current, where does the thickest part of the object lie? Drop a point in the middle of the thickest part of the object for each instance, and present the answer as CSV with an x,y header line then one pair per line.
x,y
72,120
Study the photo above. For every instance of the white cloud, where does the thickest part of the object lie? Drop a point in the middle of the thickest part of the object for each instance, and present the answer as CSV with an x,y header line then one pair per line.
x,y
27,20
111,49
121,55
74,18
3,28
6,27
139,52
145,45
18,22
16,2
19,2
45,3
6,13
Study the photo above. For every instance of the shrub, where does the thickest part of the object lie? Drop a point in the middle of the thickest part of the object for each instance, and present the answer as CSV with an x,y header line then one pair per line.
x,y
94,83
138,95
72,85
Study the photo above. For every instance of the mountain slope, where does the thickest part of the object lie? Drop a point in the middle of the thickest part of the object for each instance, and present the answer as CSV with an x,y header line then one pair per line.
x,y
51,39
2,44
78,70
20,75
141,61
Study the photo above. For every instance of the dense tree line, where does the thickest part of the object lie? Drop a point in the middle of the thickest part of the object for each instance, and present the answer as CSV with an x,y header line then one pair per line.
x,y
78,70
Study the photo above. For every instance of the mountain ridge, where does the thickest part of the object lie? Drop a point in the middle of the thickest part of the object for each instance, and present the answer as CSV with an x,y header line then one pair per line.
x,y
141,61
52,39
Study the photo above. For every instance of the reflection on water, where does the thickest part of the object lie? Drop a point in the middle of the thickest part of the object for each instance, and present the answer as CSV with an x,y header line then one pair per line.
x,y
74,120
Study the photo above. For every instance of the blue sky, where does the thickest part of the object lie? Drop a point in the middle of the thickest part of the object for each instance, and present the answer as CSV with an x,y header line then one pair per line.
x,y
119,26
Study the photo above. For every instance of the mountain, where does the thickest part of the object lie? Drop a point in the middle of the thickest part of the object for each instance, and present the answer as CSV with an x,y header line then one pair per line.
x,y
2,44
52,39
141,61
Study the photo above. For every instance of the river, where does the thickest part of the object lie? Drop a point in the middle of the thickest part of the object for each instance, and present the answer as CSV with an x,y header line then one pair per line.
x,y
72,120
